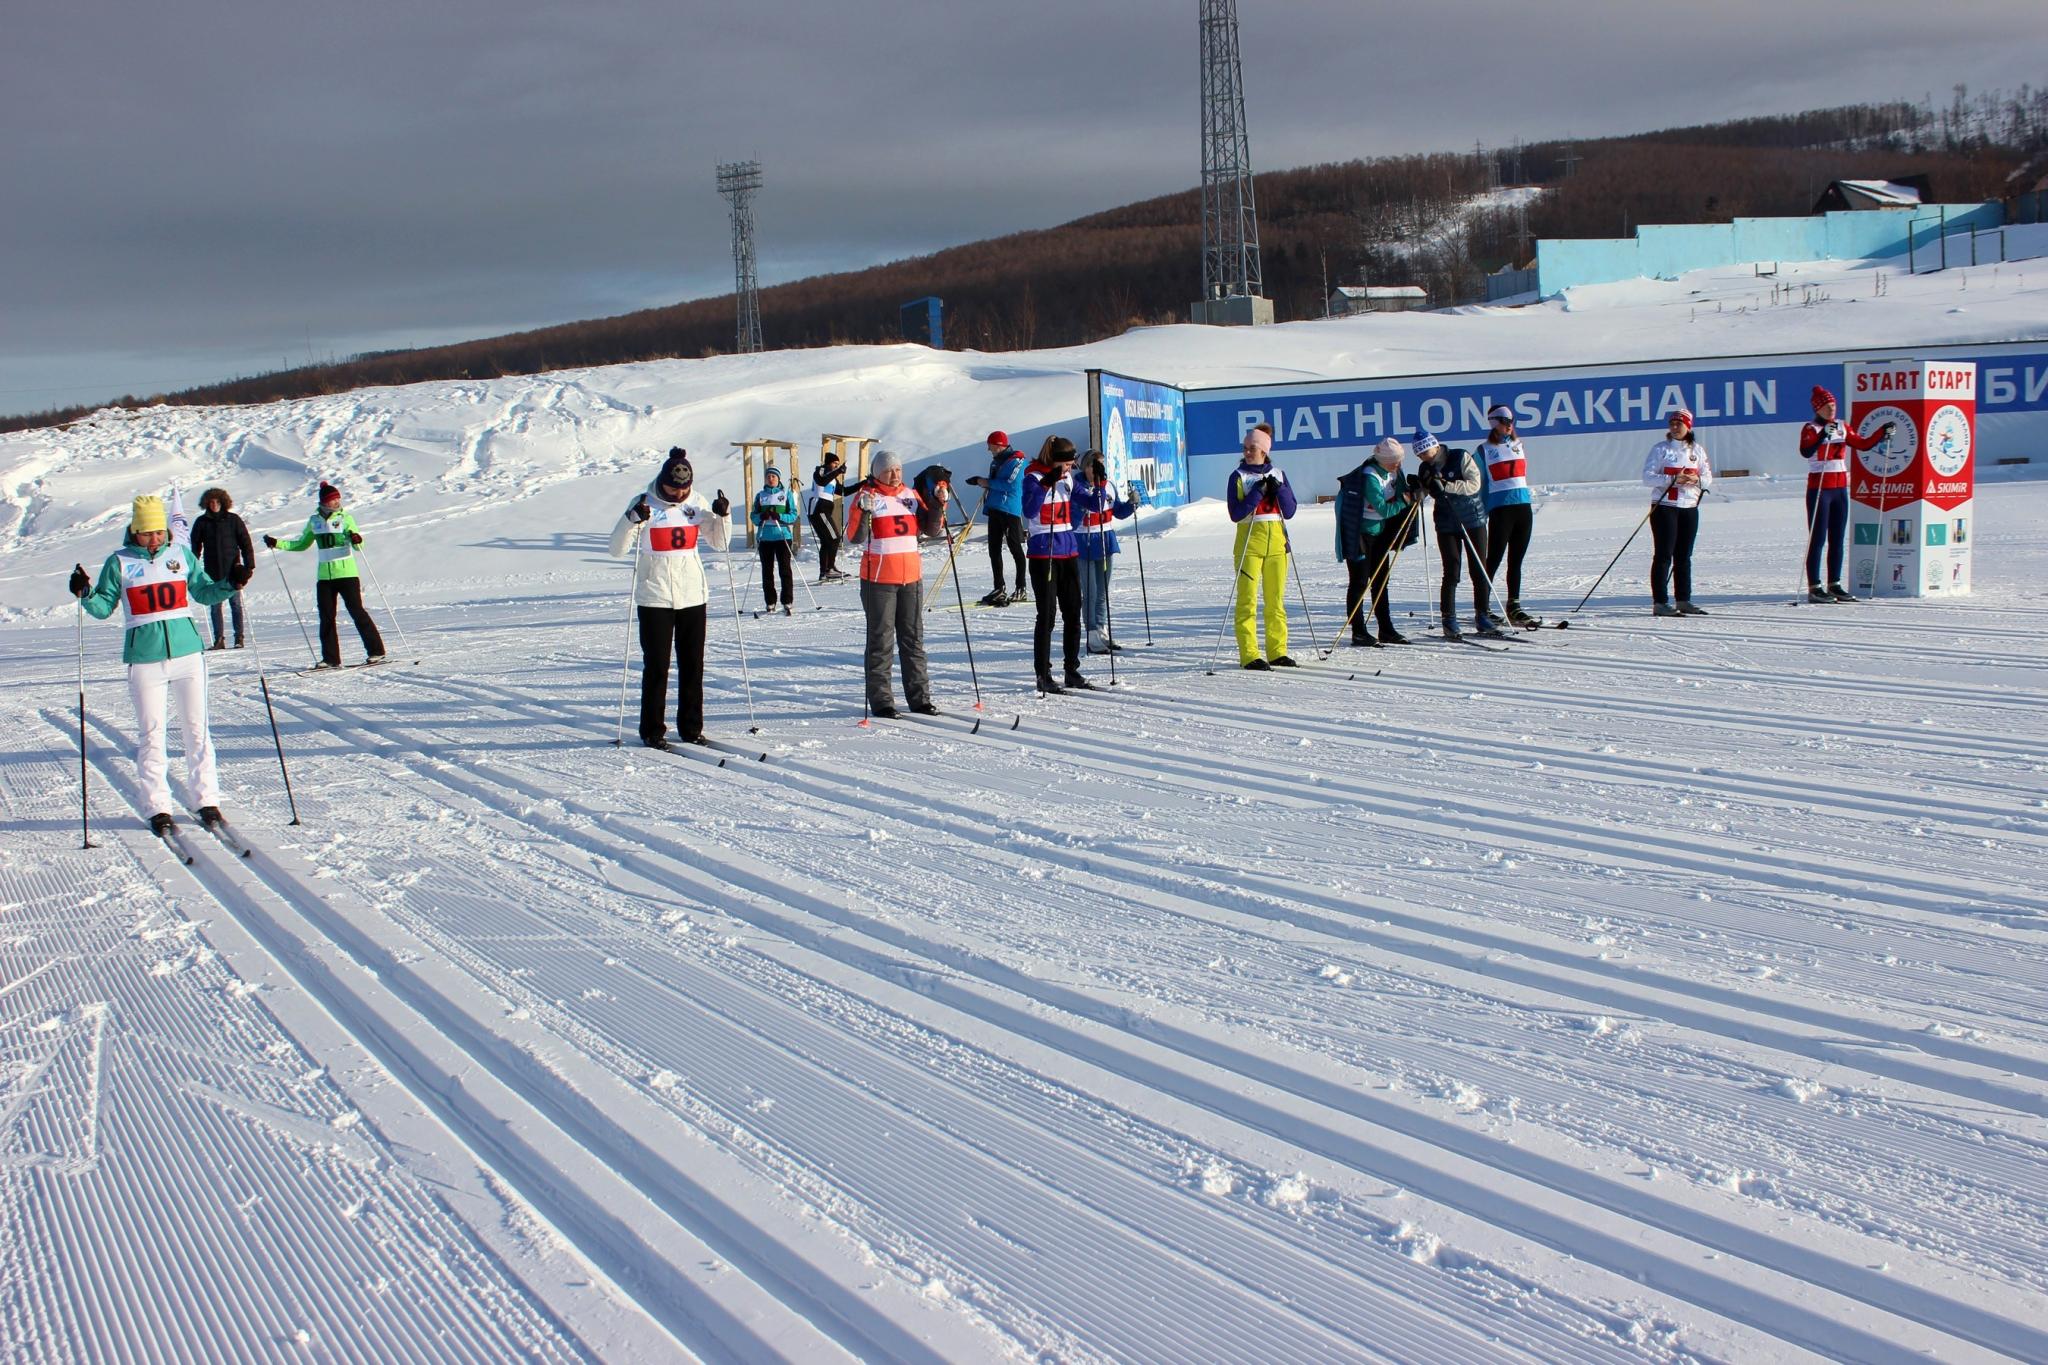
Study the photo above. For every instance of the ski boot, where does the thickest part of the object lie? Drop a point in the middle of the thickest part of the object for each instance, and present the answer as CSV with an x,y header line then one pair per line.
x,y
1489,629
1518,617
997,598
1665,609
1019,598
1451,631
1256,666
1815,594
1688,609
1077,683
1393,637
1840,593
1285,661
161,824
1048,686
211,817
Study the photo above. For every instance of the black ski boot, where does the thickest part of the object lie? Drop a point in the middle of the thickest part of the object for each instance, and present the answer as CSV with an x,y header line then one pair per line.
x,y
996,598
1518,617
1688,609
1257,666
1019,598
1451,631
1077,683
1393,637
1815,594
1489,629
925,708
161,824
1285,661
1048,686
1840,593
210,816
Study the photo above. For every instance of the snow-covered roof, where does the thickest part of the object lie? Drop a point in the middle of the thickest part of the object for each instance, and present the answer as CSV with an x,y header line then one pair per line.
x,y
1382,291
1880,192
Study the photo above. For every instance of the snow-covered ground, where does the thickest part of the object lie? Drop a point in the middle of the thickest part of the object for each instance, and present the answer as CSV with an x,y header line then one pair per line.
x,y
1650,991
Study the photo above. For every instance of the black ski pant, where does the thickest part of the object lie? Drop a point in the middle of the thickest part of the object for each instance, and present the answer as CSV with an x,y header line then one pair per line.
x,y
775,562
665,630
348,592
1005,530
1672,530
1507,533
828,542
1368,576
1471,546
1056,586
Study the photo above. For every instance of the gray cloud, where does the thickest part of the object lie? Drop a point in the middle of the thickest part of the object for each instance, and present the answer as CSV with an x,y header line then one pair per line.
x,y
202,190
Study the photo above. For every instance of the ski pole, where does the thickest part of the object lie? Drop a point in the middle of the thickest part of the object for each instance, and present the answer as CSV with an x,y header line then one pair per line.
x,y
626,648
1478,566
740,634
84,811
263,682
954,542
1386,566
1624,548
314,653
1102,558
960,598
1300,591
403,643
1144,596
1229,606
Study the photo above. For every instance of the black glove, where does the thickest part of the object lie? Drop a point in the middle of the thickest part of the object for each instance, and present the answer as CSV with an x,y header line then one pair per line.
x,y
1269,487
270,541
80,584
975,481
354,538
640,511
1098,472
238,577
721,504
1049,479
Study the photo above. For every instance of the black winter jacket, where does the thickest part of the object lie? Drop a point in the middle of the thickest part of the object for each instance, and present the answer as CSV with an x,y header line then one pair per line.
x,y
222,540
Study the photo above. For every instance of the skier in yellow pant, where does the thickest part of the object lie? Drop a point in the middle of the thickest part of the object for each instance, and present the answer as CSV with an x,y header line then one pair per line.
x,y
1261,501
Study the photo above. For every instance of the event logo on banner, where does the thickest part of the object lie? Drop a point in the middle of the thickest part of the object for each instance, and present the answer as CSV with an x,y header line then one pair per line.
x,y
1141,429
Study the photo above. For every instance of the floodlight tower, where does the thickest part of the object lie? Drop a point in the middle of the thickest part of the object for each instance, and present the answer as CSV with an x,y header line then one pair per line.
x,y
737,181
1230,215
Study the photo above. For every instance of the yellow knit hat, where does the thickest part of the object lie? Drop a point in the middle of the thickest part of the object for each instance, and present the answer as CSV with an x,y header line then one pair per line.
x,y
148,515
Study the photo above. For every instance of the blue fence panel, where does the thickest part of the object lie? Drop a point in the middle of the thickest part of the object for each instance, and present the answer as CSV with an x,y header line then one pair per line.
x,y
1564,262
1668,251
1780,239
1508,283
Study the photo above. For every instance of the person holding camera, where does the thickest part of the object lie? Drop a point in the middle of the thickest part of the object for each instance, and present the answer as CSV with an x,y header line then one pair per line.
x,y
1450,476
1261,502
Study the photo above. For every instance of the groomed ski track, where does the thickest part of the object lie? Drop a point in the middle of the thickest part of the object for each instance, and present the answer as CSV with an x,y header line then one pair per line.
x,y
1610,999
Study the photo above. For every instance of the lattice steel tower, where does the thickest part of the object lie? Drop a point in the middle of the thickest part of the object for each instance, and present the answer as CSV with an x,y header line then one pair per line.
x,y
1230,217
737,181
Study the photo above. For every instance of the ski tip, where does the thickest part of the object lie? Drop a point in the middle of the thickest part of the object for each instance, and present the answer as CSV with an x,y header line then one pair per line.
x,y
1016,722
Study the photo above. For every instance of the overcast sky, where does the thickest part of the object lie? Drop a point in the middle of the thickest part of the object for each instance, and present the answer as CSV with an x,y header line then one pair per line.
x,y
222,186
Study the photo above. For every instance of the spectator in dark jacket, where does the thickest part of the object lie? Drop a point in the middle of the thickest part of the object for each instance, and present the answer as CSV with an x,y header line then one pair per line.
x,y
222,540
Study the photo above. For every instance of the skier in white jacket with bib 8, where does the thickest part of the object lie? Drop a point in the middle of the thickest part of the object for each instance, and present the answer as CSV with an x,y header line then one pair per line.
x,y
668,523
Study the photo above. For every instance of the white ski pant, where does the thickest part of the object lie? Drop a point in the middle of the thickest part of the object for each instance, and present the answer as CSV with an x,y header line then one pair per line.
x,y
152,686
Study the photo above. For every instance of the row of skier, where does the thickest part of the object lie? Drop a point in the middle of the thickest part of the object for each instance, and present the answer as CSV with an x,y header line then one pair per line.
x,y
1052,521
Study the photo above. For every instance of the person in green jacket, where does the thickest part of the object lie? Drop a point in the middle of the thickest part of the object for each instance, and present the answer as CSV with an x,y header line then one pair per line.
x,y
333,531
156,584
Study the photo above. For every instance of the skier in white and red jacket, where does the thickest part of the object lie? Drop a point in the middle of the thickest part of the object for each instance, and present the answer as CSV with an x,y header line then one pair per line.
x,y
669,522
1826,444
1678,469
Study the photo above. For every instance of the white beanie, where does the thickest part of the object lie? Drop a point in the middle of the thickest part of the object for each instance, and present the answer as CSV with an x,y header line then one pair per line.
x,y
887,459
1390,446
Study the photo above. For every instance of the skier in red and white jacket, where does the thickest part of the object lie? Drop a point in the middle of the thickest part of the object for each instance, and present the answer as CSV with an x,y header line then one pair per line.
x,y
1826,444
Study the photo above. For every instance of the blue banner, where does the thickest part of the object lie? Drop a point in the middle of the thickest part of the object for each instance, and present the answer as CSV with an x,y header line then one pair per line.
x,y
1581,401
1141,429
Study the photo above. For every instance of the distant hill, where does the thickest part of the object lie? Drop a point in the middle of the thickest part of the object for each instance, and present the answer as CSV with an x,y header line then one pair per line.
x,y
1397,220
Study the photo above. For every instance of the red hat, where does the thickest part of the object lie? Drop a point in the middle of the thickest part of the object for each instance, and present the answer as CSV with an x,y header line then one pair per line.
x,y
1822,395
328,492
999,438
1684,415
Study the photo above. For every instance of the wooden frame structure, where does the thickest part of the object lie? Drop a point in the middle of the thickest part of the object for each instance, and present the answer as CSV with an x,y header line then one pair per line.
x,y
779,455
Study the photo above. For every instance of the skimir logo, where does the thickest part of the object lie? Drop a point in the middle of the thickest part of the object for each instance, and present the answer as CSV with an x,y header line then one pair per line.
x,y
1896,451
1948,440
1116,451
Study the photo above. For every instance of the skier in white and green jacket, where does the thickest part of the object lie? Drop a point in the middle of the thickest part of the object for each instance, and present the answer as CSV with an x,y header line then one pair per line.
x,y
155,583
333,530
